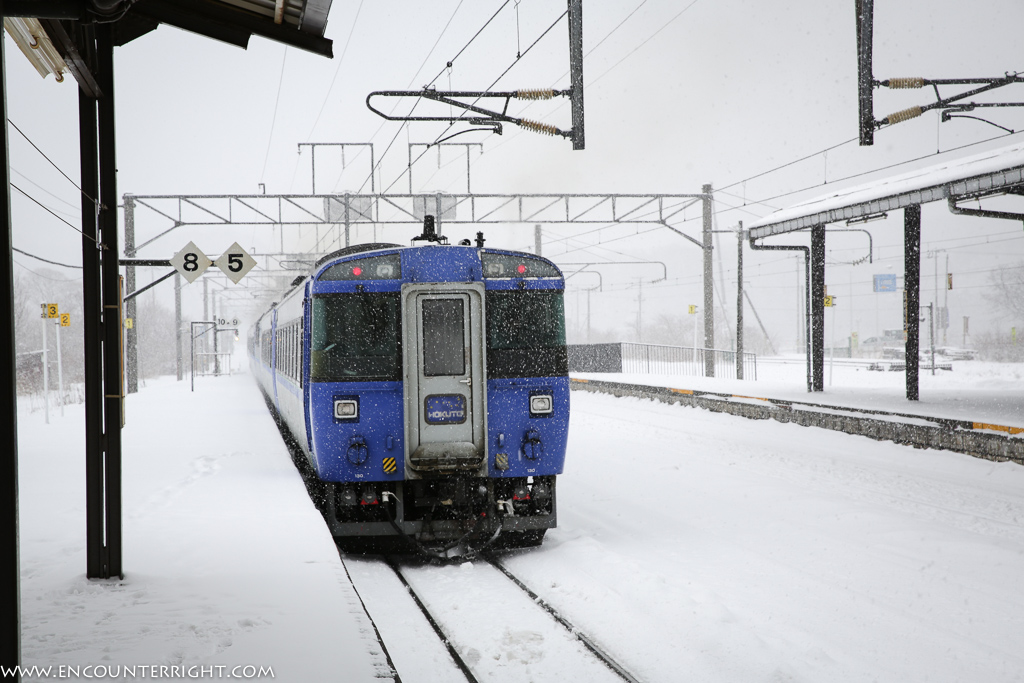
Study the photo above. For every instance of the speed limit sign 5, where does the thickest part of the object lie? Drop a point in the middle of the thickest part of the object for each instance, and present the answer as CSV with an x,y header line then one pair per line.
x,y
235,263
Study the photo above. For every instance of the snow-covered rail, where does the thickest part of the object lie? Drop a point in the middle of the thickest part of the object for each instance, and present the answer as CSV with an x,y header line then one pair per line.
x,y
587,641
492,626
981,440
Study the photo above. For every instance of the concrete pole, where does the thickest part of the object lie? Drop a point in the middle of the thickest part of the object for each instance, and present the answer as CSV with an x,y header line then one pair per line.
x,y
348,222
709,291
177,325
204,344
640,310
536,239
60,372
46,375
588,316
945,303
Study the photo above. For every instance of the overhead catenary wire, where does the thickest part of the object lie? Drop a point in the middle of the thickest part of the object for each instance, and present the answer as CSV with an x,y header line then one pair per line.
x,y
45,191
649,39
44,260
59,170
415,104
493,83
337,70
45,277
273,119
51,212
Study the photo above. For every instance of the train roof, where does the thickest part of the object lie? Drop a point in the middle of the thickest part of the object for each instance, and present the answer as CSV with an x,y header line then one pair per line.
x,y
421,263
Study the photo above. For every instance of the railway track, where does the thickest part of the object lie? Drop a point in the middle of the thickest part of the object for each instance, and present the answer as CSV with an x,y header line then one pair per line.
x,y
488,623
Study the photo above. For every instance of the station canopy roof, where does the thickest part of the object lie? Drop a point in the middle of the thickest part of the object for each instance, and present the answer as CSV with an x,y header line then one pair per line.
x,y
298,23
997,171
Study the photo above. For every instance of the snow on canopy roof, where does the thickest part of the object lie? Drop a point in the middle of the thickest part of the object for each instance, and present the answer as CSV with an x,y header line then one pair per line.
x,y
966,176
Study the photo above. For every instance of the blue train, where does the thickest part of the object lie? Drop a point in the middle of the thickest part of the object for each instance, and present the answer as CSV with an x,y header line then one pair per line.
x,y
427,386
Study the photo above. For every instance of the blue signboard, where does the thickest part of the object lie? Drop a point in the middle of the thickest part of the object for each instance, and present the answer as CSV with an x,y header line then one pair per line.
x,y
446,409
886,282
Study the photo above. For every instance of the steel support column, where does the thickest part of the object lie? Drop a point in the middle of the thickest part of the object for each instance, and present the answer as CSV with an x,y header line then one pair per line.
x,y
709,287
865,77
576,71
10,589
92,310
113,383
817,306
912,295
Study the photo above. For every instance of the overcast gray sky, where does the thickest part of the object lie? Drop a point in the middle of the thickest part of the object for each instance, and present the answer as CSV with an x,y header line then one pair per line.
x,y
678,94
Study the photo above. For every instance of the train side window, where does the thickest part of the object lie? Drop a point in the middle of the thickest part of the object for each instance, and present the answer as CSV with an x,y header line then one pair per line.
x,y
526,334
443,330
356,337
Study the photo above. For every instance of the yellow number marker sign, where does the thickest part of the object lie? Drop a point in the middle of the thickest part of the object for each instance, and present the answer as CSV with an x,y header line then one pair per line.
x,y
65,320
51,311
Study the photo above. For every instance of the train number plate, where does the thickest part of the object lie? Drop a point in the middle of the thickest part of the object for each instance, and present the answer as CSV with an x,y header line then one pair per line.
x,y
446,409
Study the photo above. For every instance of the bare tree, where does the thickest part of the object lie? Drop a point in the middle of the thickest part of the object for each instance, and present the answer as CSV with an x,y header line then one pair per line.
x,y
1007,292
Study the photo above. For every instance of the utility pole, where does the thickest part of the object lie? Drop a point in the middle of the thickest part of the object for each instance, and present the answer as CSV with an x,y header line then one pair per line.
x,y
60,370
739,302
177,324
46,375
931,333
945,303
205,346
709,300
640,310
536,239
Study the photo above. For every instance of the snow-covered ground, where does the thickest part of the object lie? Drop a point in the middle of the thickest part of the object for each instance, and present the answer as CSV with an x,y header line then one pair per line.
x,y
691,545
226,560
973,390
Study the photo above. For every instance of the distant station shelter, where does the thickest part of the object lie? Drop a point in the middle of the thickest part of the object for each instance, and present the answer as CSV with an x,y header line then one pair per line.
x,y
998,172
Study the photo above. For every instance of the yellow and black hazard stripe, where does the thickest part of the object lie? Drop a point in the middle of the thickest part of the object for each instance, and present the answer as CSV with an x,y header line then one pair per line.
x,y
390,466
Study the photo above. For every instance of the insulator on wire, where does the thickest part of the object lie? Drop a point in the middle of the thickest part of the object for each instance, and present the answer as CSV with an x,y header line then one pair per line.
x,y
905,83
535,94
538,127
904,115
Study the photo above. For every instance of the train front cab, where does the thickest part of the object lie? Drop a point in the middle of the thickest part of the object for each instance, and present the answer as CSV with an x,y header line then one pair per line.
x,y
473,432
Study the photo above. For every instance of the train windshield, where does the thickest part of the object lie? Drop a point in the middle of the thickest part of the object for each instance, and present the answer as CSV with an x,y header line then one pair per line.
x,y
526,334
356,337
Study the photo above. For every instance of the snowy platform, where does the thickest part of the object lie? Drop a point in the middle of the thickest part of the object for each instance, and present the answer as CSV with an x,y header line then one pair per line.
x,y
226,560
974,391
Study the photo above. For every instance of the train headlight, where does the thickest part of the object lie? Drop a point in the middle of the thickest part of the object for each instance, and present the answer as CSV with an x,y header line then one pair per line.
x,y
541,404
346,409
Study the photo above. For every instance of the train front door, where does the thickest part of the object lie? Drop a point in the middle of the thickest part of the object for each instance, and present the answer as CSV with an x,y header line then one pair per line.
x,y
444,377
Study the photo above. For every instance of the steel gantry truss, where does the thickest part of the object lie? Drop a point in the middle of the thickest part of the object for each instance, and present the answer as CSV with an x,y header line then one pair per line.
x,y
164,214
334,209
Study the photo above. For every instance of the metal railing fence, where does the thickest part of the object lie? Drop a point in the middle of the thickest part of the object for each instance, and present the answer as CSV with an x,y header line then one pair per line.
x,y
657,359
